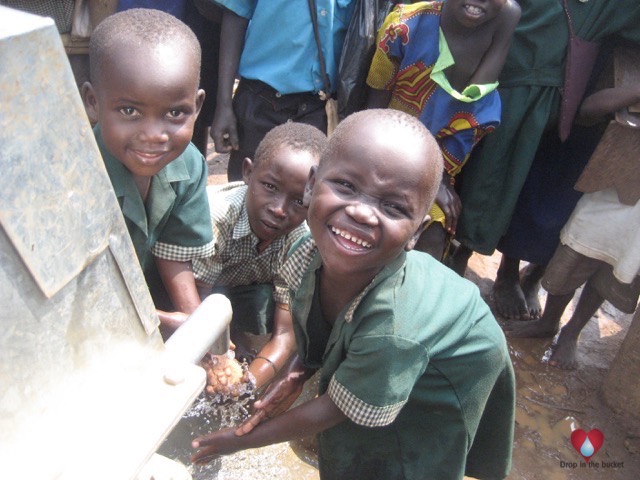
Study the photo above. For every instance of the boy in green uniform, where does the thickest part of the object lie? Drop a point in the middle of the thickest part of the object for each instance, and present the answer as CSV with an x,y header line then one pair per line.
x,y
416,380
144,97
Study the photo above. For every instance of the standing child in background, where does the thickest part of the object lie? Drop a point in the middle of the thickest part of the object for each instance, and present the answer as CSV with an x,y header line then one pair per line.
x,y
440,61
415,380
144,96
600,249
255,222
270,44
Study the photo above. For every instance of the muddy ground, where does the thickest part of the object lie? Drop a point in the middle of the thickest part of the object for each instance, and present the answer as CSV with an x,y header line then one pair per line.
x,y
552,402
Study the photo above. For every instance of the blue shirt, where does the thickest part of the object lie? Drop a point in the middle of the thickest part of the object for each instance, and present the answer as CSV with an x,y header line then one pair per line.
x,y
280,48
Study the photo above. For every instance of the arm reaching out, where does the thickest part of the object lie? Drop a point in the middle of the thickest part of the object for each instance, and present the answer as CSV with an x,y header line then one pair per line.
x,y
277,350
280,395
307,419
180,283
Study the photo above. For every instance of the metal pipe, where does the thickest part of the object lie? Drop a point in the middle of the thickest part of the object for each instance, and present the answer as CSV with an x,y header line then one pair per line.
x,y
206,329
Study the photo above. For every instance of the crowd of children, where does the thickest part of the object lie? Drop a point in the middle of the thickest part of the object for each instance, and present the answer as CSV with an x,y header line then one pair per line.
x,y
316,245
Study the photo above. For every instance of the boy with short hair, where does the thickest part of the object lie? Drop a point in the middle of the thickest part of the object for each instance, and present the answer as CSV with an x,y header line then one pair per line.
x,y
416,380
144,97
440,61
255,222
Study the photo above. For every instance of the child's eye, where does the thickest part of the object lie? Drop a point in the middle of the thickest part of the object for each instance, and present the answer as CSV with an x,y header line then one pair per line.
x,y
344,186
175,113
393,209
298,202
269,186
128,111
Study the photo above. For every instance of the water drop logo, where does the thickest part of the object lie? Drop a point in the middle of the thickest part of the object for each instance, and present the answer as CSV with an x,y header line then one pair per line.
x,y
587,444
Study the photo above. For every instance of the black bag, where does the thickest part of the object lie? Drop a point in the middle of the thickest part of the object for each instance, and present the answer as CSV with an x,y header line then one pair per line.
x,y
357,52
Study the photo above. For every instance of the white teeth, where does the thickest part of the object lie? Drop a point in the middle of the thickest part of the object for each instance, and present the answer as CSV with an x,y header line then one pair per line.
x,y
348,236
473,10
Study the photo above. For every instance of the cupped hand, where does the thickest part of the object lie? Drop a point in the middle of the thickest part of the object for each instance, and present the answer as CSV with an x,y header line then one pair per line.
x,y
225,376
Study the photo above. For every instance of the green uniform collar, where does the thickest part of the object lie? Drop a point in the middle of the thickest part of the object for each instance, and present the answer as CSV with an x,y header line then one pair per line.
x,y
161,195
472,92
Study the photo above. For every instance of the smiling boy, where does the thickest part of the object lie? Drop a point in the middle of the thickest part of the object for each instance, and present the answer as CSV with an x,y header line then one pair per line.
x,y
144,98
415,380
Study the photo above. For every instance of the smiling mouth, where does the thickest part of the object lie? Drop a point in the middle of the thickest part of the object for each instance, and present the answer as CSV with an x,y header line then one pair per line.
x,y
473,10
351,238
149,156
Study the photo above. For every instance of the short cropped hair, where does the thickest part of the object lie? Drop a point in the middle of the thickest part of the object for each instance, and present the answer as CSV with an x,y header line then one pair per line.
x,y
297,136
136,28
394,121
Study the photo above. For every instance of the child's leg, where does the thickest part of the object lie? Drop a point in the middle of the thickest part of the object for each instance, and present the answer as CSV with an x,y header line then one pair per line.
x,y
433,241
564,350
507,293
459,259
530,284
547,326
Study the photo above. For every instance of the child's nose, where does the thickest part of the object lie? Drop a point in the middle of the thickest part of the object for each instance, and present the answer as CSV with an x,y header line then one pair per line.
x,y
154,131
362,213
278,207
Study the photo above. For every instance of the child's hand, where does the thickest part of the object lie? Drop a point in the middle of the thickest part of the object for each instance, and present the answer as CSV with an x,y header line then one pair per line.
x,y
279,397
222,442
224,130
225,376
450,204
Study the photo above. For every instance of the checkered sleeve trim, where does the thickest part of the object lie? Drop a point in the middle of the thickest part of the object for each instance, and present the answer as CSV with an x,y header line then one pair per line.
x,y
297,264
361,412
281,294
179,253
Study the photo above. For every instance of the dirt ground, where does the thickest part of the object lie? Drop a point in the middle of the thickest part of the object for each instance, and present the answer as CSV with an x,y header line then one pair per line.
x,y
553,402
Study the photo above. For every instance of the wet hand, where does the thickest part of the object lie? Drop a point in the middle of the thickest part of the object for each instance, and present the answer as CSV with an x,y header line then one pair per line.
x,y
279,397
225,376
214,445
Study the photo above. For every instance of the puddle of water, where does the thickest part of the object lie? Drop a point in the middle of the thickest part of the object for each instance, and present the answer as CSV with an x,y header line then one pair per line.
x,y
213,412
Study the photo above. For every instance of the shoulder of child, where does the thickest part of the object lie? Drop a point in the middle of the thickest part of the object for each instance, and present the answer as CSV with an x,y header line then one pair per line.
x,y
510,13
439,275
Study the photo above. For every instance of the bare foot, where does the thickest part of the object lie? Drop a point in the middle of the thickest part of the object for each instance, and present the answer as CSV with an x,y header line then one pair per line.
x,y
509,299
534,329
530,283
563,354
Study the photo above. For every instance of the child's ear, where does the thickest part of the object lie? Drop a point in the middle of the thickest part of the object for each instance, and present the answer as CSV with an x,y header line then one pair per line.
x,y
90,101
200,96
411,244
308,188
247,170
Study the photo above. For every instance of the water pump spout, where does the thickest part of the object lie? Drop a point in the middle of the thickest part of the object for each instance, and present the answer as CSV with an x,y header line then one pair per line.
x,y
206,330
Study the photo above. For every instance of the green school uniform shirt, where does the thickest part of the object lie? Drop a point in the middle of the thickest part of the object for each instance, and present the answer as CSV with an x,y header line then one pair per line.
x,y
419,366
174,224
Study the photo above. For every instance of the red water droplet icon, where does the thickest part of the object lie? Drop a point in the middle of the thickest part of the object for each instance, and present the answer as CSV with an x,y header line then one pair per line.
x,y
587,444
